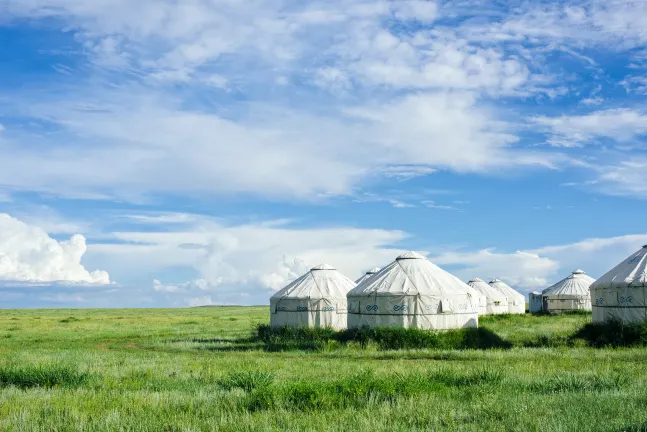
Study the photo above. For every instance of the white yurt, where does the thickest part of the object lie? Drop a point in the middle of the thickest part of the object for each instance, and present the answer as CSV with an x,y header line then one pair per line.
x,y
495,301
412,292
571,293
516,300
481,300
535,302
367,275
316,299
621,293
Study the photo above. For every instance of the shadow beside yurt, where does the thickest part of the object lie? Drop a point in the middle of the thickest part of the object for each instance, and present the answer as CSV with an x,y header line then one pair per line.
x,y
412,292
620,294
571,293
316,299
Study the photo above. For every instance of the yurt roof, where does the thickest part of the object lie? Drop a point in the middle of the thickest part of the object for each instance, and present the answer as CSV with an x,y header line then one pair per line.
x,y
410,255
322,281
489,292
411,274
630,272
506,289
323,267
367,275
576,284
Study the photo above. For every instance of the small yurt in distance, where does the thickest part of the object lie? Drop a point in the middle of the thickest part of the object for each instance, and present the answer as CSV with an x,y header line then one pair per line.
x,y
480,299
535,302
367,275
412,292
571,293
620,294
516,300
495,301
316,299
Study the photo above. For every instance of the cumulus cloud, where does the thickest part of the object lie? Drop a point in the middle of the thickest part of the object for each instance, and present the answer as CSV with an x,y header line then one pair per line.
x,y
522,269
28,254
245,264
240,263
538,268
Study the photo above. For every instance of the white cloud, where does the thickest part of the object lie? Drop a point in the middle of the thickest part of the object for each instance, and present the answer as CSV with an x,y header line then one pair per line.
x,y
413,97
28,254
425,11
64,298
400,204
288,269
164,218
406,172
538,268
596,256
525,270
240,263
622,125
626,177
142,147
433,205
592,101
200,301
637,84
618,24
245,264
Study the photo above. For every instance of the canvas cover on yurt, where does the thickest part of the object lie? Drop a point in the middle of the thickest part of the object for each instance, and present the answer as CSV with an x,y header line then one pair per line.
x,y
481,300
571,293
535,302
412,292
516,300
621,294
367,275
316,299
495,301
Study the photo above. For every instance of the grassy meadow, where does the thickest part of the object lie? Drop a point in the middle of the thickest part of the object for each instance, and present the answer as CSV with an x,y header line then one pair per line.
x,y
201,369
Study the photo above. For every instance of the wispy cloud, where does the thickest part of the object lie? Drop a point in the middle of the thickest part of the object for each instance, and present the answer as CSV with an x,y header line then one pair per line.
x,y
621,125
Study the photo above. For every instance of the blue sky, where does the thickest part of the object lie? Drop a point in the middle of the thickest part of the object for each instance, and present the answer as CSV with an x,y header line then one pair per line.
x,y
161,153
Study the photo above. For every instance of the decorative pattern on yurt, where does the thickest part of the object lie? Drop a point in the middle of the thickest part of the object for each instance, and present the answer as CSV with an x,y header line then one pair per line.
x,y
316,299
412,292
621,293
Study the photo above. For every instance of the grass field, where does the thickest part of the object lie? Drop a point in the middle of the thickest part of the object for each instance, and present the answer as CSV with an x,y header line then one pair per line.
x,y
198,369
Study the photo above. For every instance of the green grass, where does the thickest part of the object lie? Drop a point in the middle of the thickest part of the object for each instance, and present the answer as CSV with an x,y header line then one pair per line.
x,y
49,375
207,369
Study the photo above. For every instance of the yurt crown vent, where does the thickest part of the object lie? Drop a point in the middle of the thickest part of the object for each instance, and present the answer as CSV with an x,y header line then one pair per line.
x,y
409,255
323,267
